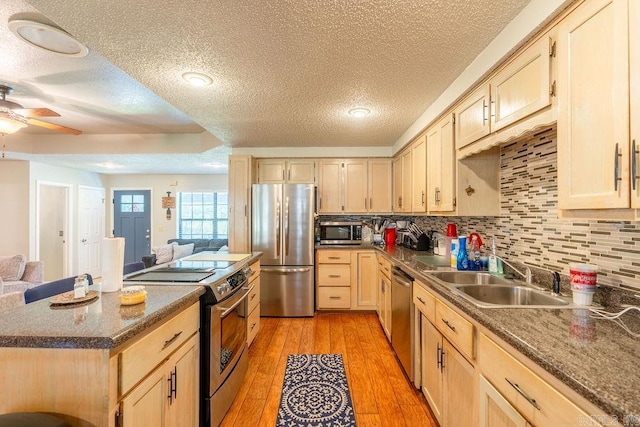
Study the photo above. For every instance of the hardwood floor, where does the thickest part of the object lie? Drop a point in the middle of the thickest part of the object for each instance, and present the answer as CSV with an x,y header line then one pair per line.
x,y
381,394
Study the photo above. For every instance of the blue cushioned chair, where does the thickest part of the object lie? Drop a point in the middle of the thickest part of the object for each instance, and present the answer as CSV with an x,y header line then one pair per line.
x,y
52,288
132,266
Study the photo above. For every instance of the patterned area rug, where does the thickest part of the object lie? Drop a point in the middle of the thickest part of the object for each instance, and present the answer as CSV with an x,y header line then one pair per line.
x,y
315,392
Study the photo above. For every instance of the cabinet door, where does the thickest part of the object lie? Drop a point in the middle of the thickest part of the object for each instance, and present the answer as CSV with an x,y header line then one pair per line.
x,y
472,117
406,182
146,404
441,166
419,175
240,180
396,167
495,410
522,87
355,186
379,187
458,386
634,87
365,290
271,171
330,186
593,112
301,171
431,371
183,405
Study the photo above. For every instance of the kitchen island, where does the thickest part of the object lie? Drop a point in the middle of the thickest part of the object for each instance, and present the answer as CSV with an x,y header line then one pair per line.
x,y
100,363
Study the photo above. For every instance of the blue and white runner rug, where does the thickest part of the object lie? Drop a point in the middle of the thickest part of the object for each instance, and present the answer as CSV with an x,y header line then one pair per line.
x,y
315,392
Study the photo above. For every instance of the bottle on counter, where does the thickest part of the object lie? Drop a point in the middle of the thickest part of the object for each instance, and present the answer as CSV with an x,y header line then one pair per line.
x,y
452,233
78,288
462,259
453,252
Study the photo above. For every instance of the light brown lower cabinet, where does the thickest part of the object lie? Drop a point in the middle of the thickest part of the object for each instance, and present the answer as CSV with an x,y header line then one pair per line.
x,y
447,379
169,395
495,410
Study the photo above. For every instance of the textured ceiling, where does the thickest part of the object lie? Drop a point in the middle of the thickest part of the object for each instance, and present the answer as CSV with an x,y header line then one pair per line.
x,y
285,72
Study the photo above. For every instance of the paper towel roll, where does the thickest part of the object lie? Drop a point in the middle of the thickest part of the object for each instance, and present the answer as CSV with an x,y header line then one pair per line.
x,y
112,263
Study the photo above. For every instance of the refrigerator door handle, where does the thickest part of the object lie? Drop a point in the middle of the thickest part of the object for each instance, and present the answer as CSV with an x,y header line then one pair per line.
x,y
284,270
277,229
286,226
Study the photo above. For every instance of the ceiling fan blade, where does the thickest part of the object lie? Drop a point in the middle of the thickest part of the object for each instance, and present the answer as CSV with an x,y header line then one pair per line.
x,y
36,112
52,126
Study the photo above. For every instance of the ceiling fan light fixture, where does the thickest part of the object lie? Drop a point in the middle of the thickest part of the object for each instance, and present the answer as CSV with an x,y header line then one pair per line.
x,y
197,79
359,112
11,122
48,38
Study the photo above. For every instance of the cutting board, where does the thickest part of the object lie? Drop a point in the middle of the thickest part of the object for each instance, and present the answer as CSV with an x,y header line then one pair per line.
x,y
215,256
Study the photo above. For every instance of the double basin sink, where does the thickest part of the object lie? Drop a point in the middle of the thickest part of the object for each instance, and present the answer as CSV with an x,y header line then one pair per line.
x,y
488,290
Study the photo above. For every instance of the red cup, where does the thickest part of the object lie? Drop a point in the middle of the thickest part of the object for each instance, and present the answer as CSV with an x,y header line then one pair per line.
x,y
390,236
452,231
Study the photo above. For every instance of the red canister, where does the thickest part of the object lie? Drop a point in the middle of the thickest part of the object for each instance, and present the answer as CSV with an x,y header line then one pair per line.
x,y
390,236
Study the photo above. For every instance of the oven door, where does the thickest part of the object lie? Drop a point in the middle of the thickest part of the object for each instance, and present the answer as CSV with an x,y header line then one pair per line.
x,y
228,336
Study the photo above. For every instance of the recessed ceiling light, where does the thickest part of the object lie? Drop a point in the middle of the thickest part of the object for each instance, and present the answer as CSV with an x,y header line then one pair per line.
x,y
359,112
48,38
197,79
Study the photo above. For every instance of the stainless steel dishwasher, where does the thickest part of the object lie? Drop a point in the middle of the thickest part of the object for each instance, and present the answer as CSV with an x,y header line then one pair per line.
x,y
402,322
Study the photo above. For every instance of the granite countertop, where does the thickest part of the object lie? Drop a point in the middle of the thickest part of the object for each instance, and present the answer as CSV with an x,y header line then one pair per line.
x,y
98,324
597,358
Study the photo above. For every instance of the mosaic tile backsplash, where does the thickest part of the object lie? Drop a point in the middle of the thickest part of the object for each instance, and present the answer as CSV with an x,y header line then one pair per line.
x,y
529,229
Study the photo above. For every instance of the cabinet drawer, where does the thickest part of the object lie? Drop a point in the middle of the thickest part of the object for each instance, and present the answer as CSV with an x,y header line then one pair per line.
x,y
458,331
537,401
253,324
253,298
424,301
334,297
334,275
333,257
385,266
146,353
255,271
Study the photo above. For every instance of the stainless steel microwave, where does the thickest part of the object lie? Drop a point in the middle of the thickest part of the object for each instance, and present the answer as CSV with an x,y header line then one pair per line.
x,y
340,233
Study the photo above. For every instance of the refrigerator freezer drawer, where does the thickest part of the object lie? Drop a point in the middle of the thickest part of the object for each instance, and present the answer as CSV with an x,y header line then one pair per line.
x,y
287,291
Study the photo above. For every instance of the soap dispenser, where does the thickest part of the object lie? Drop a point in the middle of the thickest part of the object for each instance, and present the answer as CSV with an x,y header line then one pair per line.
x,y
493,259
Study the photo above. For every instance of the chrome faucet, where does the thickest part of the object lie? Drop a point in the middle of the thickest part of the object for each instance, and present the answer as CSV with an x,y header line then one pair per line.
x,y
527,275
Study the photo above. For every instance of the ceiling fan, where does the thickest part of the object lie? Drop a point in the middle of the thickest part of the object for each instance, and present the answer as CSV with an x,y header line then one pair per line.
x,y
15,117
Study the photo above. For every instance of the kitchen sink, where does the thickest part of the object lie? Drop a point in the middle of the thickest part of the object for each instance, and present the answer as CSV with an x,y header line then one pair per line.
x,y
470,278
508,296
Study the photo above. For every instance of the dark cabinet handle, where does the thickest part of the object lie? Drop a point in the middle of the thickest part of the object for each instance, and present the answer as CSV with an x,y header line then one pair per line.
x,y
170,341
446,322
523,394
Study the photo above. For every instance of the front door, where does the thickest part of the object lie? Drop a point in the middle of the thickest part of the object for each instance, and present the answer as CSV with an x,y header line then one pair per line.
x,y
132,220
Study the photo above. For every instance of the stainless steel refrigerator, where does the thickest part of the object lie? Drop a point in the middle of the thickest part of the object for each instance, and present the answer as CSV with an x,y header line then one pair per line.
x,y
282,229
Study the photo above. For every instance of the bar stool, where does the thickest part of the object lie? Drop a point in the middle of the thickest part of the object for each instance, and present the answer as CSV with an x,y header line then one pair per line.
x,y
31,419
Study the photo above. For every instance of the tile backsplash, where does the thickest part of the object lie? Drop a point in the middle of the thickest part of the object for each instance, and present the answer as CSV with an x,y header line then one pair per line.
x,y
529,229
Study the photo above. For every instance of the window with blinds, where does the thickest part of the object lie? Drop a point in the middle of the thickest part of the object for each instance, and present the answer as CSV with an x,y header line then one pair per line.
x,y
202,215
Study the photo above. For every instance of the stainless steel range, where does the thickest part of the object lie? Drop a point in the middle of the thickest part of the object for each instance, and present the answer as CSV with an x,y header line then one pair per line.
x,y
223,325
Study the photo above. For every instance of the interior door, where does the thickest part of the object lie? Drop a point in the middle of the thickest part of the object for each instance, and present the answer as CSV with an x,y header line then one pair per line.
x,y
53,220
90,229
132,220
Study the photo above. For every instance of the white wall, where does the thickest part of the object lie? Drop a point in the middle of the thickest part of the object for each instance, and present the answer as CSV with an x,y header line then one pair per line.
x,y
14,214
162,229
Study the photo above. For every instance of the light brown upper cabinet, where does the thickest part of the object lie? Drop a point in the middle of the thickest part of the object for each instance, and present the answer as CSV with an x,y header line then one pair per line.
x,y
402,182
379,188
598,78
520,88
419,175
354,185
293,171
441,166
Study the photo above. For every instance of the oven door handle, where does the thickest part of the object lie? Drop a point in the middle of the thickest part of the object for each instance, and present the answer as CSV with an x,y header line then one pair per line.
x,y
227,310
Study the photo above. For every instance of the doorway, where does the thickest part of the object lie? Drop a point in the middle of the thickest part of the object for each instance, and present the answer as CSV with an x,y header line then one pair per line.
x,y
52,232
132,220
